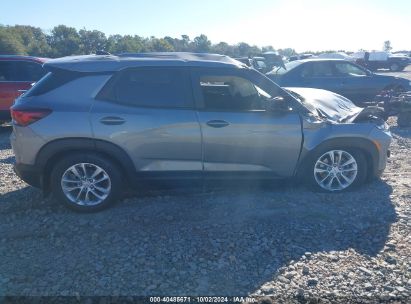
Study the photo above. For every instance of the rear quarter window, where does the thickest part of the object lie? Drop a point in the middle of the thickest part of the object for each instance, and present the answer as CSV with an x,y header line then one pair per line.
x,y
149,87
51,81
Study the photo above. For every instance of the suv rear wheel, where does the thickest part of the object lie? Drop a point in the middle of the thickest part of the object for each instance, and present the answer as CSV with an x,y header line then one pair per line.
x,y
337,170
86,182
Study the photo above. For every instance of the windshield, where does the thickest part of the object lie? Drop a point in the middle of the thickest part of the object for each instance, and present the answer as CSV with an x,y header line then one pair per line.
x,y
288,67
261,64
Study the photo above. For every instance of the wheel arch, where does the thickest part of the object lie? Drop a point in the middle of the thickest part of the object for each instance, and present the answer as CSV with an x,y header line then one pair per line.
x,y
56,149
366,146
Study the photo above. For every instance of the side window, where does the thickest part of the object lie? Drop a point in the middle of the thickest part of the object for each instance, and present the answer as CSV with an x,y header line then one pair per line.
x,y
348,69
27,71
6,71
149,87
317,69
231,93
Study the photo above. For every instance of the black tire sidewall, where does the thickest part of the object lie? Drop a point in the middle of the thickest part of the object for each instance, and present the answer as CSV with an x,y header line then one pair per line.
x,y
67,161
361,173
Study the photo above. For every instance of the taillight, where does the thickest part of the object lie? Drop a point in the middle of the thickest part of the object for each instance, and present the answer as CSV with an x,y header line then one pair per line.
x,y
24,117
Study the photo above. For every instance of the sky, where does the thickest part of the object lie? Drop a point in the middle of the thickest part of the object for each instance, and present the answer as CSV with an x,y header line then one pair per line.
x,y
305,25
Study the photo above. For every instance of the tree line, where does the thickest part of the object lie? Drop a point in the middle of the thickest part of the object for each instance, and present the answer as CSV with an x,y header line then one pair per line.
x,y
63,40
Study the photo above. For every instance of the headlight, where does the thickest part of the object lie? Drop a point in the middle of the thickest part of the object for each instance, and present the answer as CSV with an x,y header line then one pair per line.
x,y
311,118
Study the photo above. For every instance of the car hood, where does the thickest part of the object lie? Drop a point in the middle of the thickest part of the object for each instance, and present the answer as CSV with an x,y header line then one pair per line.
x,y
331,106
389,78
274,77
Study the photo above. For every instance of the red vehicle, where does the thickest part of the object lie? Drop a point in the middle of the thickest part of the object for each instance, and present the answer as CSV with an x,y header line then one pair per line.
x,y
17,74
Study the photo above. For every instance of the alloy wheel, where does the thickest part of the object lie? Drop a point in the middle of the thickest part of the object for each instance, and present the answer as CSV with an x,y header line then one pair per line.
x,y
86,184
335,170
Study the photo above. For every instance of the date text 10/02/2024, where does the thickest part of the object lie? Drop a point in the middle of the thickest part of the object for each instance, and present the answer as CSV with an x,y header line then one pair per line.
x,y
202,300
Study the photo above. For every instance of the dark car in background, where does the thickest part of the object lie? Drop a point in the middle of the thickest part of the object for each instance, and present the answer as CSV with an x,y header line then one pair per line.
x,y
340,76
263,63
300,57
383,60
17,74
258,63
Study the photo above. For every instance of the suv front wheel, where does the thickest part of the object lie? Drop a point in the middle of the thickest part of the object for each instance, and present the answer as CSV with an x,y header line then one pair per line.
x,y
337,170
86,182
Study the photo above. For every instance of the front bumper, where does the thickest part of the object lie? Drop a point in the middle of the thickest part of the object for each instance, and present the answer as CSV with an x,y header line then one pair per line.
x,y
382,140
30,174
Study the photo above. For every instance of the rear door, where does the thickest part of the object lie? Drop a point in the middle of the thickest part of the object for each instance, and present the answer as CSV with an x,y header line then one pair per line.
x,y
148,112
320,75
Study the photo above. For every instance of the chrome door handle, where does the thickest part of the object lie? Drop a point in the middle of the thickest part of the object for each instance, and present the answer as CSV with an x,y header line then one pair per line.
x,y
217,123
112,120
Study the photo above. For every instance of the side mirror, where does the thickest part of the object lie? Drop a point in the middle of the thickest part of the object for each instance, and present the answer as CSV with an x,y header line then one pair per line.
x,y
276,104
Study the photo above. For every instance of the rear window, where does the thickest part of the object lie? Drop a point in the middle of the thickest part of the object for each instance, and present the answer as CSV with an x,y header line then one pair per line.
x,y
21,71
6,71
149,87
51,81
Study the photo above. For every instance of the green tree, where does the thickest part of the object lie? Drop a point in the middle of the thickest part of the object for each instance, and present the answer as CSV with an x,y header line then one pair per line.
x,y
387,46
268,48
126,44
33,39
287,52
186,43
223,48
159,45
243,49
201,44
92,41
10,44
64,41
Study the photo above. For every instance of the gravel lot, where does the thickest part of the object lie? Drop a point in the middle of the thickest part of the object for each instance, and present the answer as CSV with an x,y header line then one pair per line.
x,y
278,240
404,74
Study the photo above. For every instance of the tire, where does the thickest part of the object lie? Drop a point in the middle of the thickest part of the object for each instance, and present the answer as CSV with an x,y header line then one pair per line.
x,y
404,119
394,67
319,176
76,172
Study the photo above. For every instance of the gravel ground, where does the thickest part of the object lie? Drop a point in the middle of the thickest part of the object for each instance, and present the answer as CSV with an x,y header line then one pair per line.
x,y
282,240
404,74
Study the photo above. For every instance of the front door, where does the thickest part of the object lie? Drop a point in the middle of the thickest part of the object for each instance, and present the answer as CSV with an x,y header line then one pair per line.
x,y
239,135
356,84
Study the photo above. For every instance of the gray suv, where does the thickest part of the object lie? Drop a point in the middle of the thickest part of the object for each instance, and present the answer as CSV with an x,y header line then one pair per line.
x,y
99,123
